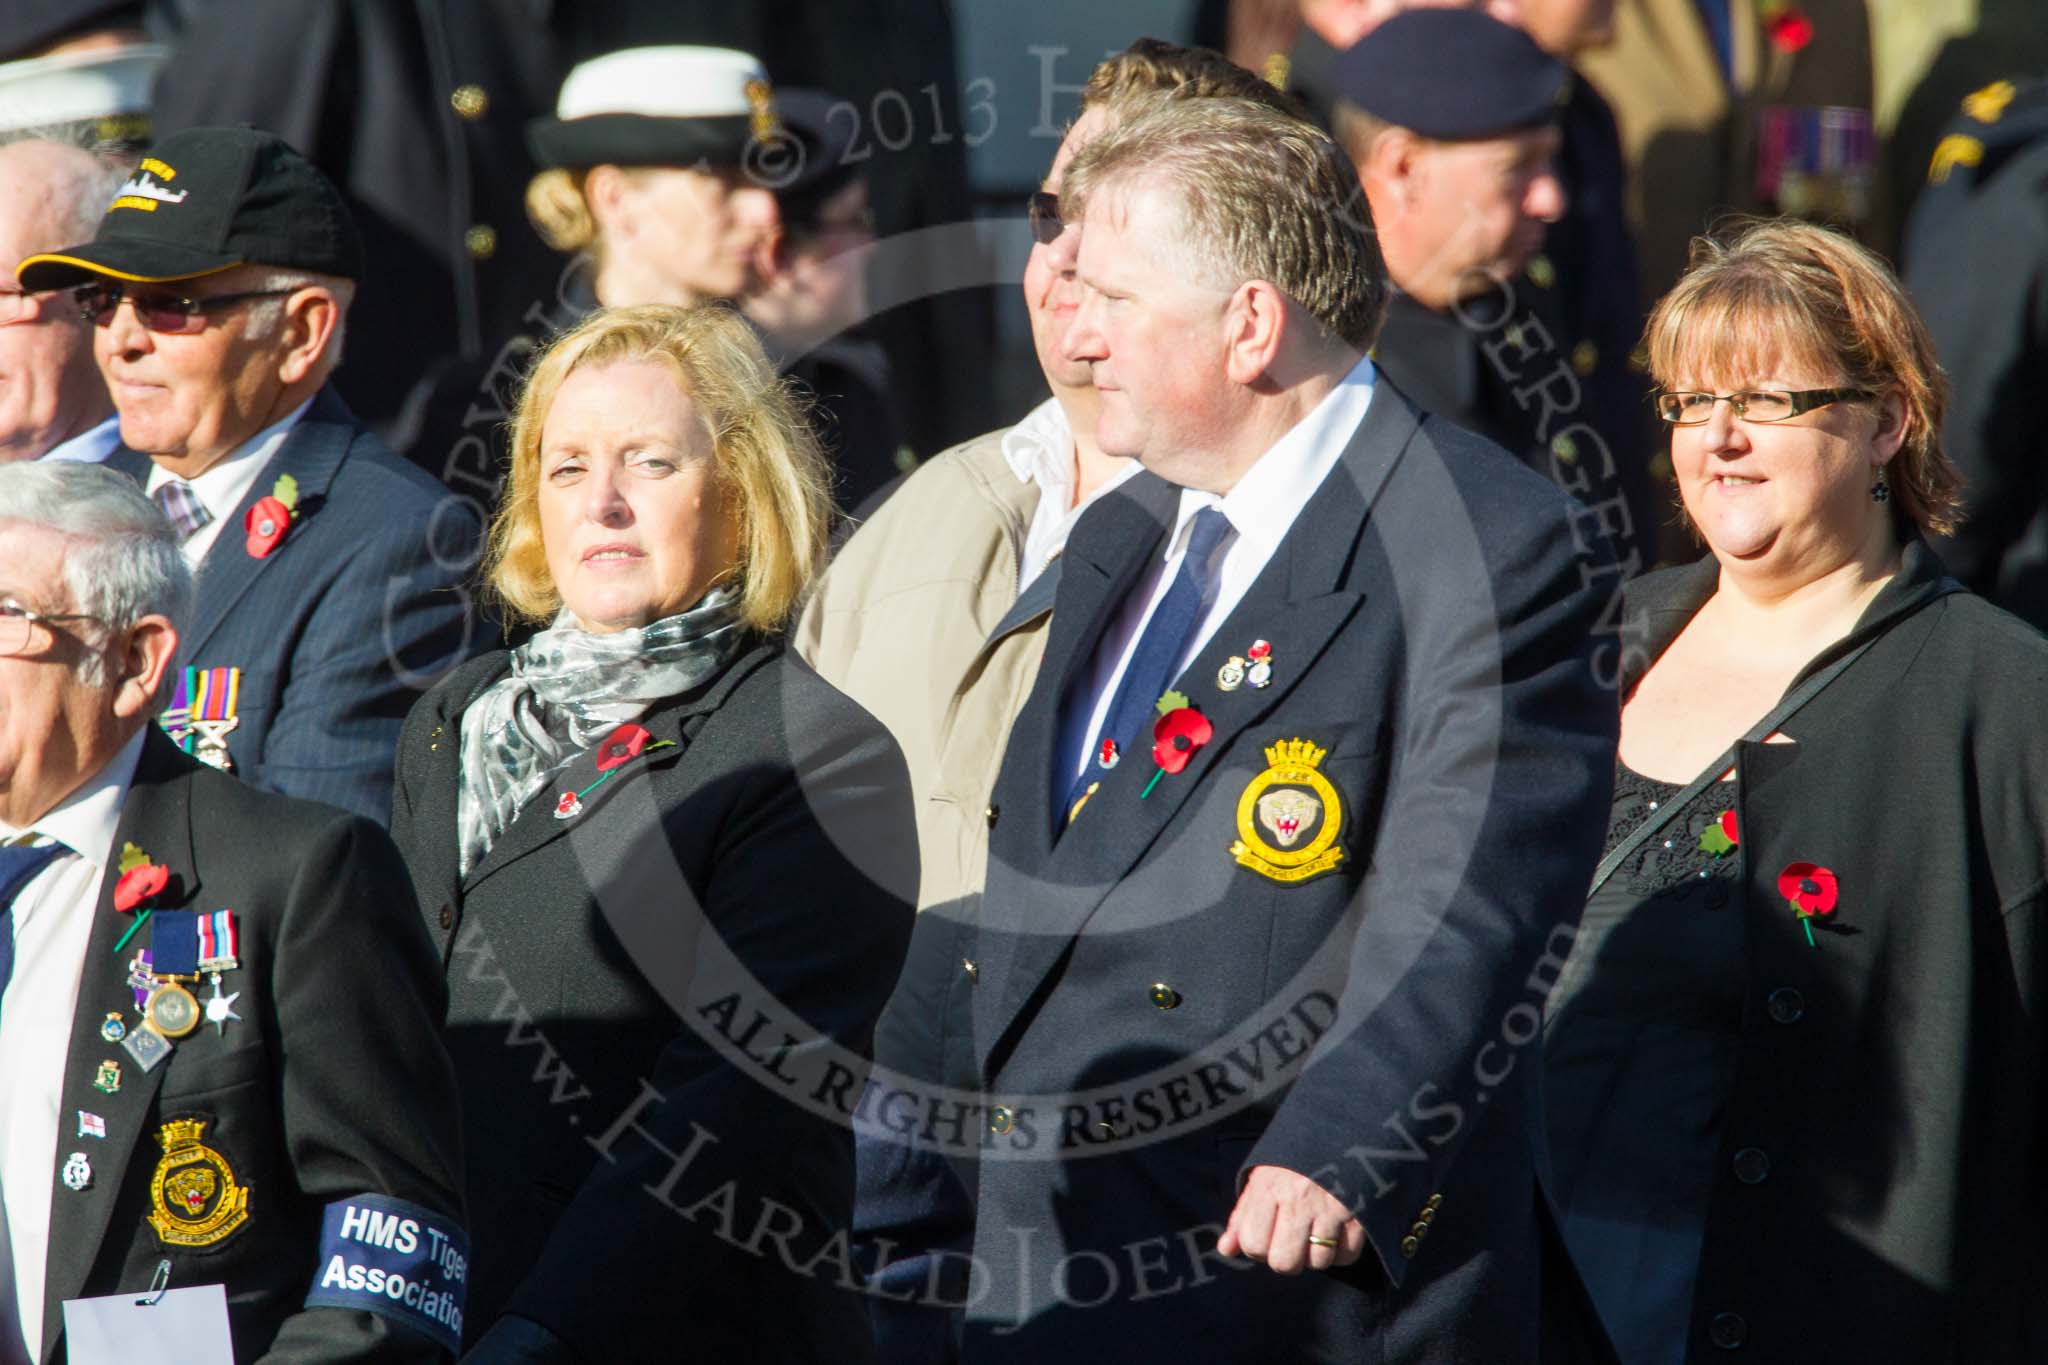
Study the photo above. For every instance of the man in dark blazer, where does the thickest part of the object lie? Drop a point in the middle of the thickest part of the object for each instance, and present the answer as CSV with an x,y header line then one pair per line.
x,y
220,1052
1290,833
329,570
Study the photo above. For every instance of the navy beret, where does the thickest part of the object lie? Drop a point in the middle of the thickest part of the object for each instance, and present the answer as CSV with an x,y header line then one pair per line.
x,y
1452,73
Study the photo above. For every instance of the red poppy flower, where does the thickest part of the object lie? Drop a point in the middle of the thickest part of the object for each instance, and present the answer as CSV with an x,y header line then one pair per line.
x,y
1790,31
568,806
1109,755
624,743
138,884
1260,650
1810,888
1177,735
265,524
1728,827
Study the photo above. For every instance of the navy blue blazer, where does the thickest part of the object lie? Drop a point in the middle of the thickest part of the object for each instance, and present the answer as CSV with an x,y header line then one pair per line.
x,y
340,629
1160,1002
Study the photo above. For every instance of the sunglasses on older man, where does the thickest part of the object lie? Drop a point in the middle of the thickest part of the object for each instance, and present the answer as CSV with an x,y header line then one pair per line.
x,y
167,313
1044,212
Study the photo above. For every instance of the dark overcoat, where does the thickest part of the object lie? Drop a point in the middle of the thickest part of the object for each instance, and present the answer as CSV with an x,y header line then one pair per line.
x,y
1888,1100
647,1184
331,1083
1161,1000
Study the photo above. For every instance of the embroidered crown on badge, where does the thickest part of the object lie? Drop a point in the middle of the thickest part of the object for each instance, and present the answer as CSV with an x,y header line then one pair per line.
x,y
1291,753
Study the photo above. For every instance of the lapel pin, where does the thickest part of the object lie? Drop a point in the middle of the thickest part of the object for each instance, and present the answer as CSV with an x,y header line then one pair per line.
x,y
1108,756
1260,671
147,1047
108,1078
91,1125
265,524
77,1172
617,749
1179,731
112,1029
1230,677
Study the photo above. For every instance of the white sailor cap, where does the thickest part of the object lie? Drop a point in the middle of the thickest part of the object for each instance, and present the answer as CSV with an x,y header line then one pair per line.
x,y
658,106
108,88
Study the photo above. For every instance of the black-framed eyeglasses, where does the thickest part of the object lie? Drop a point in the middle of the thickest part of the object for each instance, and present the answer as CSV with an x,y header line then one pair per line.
x,y
1044,212
1685,408
17,624
166,313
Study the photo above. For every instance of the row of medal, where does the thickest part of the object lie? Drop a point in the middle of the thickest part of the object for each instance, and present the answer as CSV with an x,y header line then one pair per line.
x,y
168,1010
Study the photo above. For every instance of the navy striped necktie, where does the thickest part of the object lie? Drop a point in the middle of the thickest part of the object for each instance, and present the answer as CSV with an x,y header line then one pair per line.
x,y
19,864
1155,662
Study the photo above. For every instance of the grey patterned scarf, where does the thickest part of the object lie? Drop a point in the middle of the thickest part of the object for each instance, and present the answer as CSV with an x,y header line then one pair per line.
x,y
568,689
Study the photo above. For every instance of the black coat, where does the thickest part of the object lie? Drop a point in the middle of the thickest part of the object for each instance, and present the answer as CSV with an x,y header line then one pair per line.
x,y
1153,1015
767,855
1890,1080
331,1084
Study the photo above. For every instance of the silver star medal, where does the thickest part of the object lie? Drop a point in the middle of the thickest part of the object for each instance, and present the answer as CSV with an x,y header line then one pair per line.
x,y
221,1008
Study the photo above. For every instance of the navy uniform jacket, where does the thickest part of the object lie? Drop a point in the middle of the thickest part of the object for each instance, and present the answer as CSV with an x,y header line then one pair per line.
x,y
1977,262
339,629
1153,1014
333,1082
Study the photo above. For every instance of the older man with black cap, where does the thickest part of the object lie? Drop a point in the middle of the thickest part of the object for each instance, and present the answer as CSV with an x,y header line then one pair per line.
x,y
218,285
1452,117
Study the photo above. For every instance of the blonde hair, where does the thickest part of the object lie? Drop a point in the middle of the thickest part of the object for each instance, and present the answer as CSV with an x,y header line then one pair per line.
x,y
1780,292
768,464
560,213
1151,66
1263,196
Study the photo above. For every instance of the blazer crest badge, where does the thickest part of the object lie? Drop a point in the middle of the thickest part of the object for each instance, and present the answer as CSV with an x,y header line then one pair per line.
x,y
194,1198
1290,816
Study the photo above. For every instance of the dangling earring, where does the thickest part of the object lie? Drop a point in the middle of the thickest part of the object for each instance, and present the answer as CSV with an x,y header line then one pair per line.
x,y
1880,492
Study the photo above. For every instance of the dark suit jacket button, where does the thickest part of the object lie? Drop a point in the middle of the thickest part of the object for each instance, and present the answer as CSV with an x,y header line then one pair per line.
x,y
1752,1167
990,813
1000,1120
1787,1006
1728,1331
447,916
1164,996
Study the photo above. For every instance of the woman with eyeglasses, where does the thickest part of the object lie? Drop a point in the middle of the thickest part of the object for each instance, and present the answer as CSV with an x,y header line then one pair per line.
x,y
1795,1058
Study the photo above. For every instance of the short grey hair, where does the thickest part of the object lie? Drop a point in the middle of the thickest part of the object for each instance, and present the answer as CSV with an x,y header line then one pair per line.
x,y
1262,196
265,314
76,193
123,563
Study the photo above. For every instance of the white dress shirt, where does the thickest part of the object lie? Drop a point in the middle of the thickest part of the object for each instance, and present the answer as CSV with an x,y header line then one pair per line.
x,y
91,446
1040,450
52,921
227,481
1261,509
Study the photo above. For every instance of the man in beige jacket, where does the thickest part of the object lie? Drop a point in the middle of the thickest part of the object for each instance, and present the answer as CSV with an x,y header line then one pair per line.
x,y
933,616
905,620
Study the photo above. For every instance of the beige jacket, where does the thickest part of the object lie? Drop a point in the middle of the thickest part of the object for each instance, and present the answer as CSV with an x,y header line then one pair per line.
x,y
900,622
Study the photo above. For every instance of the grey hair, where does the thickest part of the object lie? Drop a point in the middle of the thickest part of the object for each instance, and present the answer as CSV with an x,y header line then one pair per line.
x,y
76,194
265,314
123,563
1261,196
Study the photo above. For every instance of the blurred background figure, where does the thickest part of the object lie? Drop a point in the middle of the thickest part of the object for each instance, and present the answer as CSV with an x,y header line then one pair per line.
x,y
1977,261
1799,1024
1452,118
77,71
810,289
53,402
1739,106
646,179
651,800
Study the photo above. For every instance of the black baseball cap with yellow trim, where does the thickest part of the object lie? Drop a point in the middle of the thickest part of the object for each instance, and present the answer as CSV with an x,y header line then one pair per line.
x,y
206,200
